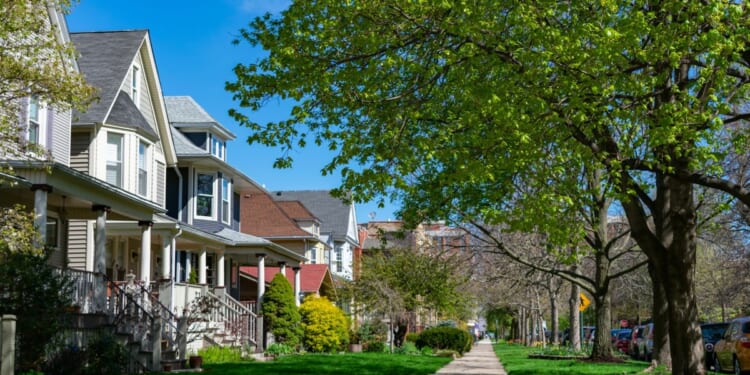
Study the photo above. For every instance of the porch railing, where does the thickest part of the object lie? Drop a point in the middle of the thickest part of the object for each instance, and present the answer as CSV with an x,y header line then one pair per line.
x,y
237,319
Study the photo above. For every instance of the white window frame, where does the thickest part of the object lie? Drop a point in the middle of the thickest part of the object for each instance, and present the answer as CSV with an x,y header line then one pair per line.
x,y
35,122
120,162
338,259
143,161
313,255
213,195
226,200
135,79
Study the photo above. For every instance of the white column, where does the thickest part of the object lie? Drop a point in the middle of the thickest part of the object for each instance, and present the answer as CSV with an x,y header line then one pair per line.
x,y
100,257
282,268
202,267
261,279
296,284
40,212
188,264
145,250
166,256
220,270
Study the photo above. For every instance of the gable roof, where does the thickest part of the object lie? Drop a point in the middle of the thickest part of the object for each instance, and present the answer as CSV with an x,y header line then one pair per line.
x,y
267,218
125,113
296,210
185,112
311,276
332,212
105,58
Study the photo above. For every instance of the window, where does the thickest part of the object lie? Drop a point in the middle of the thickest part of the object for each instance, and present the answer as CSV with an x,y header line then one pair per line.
x,y
225,200
313,256
205,195
134,89
114,159
35,119
217,146
339,265
52,232
142,168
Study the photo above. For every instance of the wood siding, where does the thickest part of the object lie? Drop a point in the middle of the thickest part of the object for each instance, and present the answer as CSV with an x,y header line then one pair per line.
x,y
77,247
79,151
161,187
58,136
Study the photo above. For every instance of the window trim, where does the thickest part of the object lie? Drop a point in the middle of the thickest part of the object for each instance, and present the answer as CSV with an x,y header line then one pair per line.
x,y
121,160
313,255
146,169
226,200
338,259
135,90
213,195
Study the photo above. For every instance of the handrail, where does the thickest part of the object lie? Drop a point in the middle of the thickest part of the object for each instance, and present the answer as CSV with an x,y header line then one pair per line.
x,y
237,319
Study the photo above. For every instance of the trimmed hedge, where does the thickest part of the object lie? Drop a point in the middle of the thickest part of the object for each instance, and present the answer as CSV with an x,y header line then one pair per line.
x,y
445,338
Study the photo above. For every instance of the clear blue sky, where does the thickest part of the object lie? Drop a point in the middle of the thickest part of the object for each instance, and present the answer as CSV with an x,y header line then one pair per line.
x,y
195,57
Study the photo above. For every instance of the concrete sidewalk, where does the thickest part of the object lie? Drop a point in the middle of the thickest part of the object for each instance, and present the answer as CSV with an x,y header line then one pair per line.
x,y
480,360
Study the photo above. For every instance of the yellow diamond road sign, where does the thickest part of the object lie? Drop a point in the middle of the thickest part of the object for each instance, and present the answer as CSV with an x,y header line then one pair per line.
x,y
584,302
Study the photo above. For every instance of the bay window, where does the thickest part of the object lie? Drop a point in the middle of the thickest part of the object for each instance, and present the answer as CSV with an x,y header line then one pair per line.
x,y
225,194
114,158
204,195
143,168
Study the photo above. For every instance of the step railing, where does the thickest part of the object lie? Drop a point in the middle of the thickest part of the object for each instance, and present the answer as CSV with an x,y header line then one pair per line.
x,y
233,317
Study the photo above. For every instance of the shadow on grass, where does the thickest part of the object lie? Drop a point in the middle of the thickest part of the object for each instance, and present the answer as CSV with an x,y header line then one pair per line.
x,y
364,363
515,360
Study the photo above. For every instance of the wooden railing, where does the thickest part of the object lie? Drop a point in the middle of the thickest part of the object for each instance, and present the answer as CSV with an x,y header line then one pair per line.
x,y
237,319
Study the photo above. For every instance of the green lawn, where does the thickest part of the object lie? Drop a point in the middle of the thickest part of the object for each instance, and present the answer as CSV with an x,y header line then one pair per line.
x,y
516,362
350,363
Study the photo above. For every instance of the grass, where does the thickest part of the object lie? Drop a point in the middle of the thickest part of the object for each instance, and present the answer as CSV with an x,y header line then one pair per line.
x,y
516,362
350,363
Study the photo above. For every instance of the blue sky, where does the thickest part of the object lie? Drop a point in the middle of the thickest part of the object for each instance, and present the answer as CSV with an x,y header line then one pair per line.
x,y
195,57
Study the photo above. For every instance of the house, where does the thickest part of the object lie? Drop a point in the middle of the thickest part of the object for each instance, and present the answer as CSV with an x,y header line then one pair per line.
x,y
315,279
338,223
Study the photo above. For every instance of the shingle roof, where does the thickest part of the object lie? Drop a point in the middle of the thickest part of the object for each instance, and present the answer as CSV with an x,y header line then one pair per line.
x,y
267,219
242,238
184,111
296,210
182,145
332,212
105,58
125,113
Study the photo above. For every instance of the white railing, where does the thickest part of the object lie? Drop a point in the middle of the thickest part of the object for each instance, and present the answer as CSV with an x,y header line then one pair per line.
x,y
184,294
237,319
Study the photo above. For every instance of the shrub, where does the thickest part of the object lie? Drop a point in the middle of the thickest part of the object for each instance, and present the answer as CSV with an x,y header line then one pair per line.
x,y
220,354
427,351
277,349
102,355
408,348
375,347
412,337
372,330
280,313
325,326
444,337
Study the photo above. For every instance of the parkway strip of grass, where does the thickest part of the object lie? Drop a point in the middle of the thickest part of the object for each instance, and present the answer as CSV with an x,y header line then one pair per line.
x,y
349,363
515,360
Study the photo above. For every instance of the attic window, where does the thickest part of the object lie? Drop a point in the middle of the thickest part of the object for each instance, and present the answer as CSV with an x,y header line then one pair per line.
x,y
134,85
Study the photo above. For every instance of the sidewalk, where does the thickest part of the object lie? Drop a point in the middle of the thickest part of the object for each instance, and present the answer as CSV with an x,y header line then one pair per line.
x,y
480,360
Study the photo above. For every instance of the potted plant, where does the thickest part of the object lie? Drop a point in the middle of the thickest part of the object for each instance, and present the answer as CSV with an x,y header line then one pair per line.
x,y
355,344
195,361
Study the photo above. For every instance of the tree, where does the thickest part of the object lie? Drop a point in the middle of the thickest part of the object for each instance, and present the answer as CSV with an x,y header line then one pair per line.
x,y
398,283
443,104
325,326
35,60
30,289
280,313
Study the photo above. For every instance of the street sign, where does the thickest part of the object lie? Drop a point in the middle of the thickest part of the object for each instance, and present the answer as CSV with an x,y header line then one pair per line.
x,y
584,302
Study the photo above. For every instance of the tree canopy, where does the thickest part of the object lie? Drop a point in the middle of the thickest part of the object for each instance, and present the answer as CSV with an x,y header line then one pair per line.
x,y
451,105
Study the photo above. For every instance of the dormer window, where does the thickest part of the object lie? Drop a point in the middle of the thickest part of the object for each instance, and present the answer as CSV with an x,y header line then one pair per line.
x,y
216,146
134,85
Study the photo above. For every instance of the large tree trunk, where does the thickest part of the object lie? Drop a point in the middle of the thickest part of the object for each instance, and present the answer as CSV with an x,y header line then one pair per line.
x,y
554,317
575,322
660,318
602,349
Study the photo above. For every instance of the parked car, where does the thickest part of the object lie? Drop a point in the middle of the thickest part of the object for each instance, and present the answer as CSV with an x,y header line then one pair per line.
x,y
635,337
622,342
646,342
732,352
712,333
588,335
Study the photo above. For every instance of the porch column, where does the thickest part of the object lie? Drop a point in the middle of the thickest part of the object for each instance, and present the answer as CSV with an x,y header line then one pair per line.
x,y
100,256
115,257
40,212
282,268
202,267
261,278
188,265
296,284
146,250
166,255
220,270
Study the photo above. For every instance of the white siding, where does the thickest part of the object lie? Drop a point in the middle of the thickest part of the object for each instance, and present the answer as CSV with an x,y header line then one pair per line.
x,y
77,244
160,173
